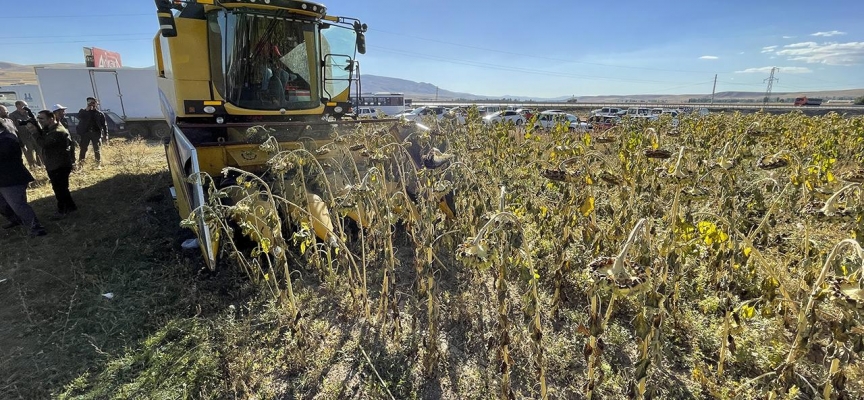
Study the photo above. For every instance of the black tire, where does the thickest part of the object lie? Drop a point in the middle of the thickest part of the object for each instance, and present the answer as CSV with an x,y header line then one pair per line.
x,y
518,122
138,130
159,130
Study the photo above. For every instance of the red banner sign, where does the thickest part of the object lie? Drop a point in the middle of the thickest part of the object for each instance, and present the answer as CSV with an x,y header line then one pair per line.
x,y
99,58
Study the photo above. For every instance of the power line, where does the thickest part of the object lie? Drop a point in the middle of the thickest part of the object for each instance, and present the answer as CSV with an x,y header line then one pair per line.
x,y
77,36
76,41
76,16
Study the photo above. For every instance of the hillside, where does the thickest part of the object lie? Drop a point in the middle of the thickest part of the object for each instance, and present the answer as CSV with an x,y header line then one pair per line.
x,y
721,96
11,73
411,89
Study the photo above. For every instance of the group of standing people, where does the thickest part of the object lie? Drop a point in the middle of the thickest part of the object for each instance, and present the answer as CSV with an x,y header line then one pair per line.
x,y
44,140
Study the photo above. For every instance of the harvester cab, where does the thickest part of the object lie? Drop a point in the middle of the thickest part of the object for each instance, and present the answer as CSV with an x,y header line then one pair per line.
x,y
242,81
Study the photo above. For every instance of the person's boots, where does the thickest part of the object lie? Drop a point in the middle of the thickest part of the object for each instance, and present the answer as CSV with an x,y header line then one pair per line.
x,y
37,230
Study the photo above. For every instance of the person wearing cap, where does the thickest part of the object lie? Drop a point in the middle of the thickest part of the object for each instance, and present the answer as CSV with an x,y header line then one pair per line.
x,y
59,156
60,115
14,180
26,135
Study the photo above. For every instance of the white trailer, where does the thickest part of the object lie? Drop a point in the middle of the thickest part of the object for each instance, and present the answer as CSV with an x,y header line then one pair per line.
x,y
9,94
129,92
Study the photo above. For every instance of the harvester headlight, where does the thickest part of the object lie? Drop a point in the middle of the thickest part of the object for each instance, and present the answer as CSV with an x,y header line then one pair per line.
x,y
337,109
220,120
209,109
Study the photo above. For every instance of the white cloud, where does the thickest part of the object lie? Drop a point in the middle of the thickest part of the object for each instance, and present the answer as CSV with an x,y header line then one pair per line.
x,y
741,52
828,34
784,70
769,49
708,58
851,53
797,45
789,37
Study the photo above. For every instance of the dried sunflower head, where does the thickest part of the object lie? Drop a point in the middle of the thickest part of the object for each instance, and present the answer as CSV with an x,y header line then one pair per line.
x,y
856,176
657,153
602,271
610,178
773,163
846,292
559,175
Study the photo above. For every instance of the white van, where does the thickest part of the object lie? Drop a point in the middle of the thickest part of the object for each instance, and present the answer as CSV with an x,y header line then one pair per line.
x,y
367,113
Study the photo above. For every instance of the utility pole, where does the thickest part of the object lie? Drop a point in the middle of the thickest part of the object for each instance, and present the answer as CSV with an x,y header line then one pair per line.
x,y
771,79
714,90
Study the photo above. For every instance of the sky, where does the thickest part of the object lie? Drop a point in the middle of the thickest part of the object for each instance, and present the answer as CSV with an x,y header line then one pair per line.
x,y
525,48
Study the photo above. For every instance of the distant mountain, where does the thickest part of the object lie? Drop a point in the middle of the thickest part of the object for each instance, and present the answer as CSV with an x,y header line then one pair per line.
x,y
411,89
11,73
720,96
426,91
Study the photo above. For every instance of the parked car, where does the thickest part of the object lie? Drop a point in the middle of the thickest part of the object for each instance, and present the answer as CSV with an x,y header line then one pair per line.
x,y
504,117
601,123
606,111
419,113
116,125
460,114
673,114
527,113
486,110
548,120
641,113
367,112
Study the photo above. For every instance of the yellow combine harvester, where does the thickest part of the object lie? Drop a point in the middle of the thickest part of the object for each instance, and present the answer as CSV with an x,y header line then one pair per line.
x,y
225,67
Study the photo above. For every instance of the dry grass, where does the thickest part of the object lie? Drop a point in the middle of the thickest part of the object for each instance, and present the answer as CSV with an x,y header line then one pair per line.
x,y
56,323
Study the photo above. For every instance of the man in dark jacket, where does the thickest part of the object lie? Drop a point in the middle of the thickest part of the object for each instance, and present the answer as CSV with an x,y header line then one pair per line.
x,y
14,179
58,156
92,127
26,135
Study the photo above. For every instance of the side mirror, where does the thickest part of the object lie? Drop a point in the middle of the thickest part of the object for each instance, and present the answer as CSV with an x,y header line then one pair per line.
x,y
167,26
361,43
360,29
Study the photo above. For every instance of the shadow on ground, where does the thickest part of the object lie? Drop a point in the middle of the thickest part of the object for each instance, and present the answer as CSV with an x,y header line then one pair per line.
x,y
103,279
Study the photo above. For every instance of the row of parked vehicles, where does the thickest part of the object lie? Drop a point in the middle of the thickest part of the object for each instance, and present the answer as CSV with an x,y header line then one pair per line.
x,y
599,119
520,116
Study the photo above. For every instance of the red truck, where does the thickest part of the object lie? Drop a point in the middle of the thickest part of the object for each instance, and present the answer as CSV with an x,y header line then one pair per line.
x,y
804,101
